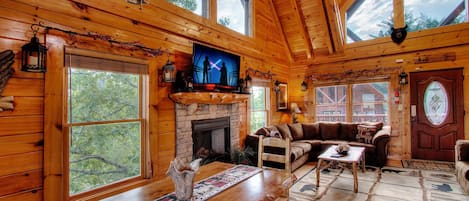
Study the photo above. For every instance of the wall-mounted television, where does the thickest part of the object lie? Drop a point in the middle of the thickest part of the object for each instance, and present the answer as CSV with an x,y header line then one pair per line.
x,y
214,69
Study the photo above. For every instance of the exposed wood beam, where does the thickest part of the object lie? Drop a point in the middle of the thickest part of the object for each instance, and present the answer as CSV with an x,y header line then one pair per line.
x,y
399,20
454,14
279,26
334,23
303,29
324,18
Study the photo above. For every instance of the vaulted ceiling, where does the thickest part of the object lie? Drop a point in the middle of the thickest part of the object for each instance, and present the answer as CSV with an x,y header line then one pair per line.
x,y
311,27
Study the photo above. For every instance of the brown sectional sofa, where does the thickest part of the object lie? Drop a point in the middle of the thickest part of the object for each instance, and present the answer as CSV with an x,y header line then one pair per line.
x,y
461,150
308,140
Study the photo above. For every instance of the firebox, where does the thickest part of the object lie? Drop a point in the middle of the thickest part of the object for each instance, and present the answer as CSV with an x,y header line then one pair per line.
x,y
211,140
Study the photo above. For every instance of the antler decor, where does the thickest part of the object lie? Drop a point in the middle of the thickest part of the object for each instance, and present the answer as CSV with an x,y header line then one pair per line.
x,y
379,72
7,58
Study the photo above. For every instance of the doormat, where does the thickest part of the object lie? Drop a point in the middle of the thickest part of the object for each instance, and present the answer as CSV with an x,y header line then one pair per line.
x,y
428,165
387,183
215,184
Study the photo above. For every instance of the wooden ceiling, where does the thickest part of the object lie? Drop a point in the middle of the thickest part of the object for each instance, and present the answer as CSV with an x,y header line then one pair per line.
x,y
311,27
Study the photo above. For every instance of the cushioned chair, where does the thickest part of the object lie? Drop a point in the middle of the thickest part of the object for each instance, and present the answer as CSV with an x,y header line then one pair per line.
x,y
461,150
275,156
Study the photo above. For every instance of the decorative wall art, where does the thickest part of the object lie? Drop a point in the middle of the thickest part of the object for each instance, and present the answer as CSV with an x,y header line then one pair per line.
x,y
282,97
7,58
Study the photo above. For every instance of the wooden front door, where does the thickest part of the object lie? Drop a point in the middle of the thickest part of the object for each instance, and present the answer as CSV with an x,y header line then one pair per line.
x,y
437,113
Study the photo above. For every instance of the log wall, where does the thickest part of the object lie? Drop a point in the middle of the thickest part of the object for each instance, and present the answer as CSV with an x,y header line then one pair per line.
x,y
31,141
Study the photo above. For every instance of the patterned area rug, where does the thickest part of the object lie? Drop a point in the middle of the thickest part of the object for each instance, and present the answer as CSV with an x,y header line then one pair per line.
x,y
209,187
387,183
428,165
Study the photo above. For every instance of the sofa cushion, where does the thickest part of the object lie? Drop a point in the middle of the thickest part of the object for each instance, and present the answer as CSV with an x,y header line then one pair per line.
x,y
329,130
285,131
348,131
311,131
462,169
303,145
296,131
366,133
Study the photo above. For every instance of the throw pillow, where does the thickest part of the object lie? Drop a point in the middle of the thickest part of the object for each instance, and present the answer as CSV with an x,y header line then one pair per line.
x,y
379,125
285,131
296,131
275,133
464,152
311,131
366,133
262,131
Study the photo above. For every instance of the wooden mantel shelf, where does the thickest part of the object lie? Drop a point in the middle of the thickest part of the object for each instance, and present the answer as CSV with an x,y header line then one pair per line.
x,y
188,98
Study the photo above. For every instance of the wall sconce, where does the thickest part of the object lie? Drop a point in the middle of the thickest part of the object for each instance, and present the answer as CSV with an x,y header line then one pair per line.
x,y
248,80
277,86
169,71
33,55
294,109
304,86
403,78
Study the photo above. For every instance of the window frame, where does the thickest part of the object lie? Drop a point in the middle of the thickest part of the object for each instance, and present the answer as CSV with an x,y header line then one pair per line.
x,y
399,21
143,117
267,103
349,99
211,16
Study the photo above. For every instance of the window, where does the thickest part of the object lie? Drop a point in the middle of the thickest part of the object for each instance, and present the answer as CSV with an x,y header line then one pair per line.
x,y
105,122
369,102
369,19
424,14
235,14
198,7
260,105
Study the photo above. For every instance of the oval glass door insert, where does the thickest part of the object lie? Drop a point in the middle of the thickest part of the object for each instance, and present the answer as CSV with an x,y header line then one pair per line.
x,y
435,103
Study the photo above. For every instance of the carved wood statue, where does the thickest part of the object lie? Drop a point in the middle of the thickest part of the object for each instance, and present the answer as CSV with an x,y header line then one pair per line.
x,y
183,177
7,58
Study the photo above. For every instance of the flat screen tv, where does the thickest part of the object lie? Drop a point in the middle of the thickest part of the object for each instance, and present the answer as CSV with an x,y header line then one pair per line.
x,y
214,69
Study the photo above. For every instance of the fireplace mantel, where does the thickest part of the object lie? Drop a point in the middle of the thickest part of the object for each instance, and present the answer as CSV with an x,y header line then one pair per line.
x,y
188,98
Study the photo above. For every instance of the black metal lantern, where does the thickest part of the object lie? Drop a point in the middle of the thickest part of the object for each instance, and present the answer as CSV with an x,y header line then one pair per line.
x,y
248,86
403,78
277,86
33,55
304,86
169,71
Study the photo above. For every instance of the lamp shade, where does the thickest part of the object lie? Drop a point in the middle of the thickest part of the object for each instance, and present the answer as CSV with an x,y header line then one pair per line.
x,y
294,108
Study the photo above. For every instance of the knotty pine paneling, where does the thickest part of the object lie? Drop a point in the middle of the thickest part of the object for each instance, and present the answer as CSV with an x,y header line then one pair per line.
x,y
154,26
21,182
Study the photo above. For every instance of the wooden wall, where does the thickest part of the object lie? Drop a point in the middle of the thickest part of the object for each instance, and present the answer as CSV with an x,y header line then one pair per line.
x,y
382,53
30,168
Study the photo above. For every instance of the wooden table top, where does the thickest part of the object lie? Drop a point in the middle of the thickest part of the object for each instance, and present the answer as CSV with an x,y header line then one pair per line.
x,y
254,188
353,155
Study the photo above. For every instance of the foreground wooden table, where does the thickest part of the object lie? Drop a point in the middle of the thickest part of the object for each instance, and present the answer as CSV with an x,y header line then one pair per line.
x,y
254,188
355,156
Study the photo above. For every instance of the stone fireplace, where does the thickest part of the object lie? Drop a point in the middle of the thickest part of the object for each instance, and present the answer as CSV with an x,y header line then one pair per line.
x,y
215,126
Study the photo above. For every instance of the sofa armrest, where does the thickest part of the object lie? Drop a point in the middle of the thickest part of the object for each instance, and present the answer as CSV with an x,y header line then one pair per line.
x,y
383,134
461,150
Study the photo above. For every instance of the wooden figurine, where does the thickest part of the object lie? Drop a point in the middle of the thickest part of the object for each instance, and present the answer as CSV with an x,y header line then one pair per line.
x,y
183,177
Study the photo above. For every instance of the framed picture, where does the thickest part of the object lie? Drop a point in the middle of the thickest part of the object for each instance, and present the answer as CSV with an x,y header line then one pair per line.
x,y
282,97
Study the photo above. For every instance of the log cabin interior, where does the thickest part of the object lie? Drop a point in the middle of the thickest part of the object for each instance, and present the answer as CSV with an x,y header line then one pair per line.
x,y
128,66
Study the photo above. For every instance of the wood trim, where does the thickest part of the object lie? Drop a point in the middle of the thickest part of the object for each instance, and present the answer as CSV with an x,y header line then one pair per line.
x,y
188,98
102,55
53,136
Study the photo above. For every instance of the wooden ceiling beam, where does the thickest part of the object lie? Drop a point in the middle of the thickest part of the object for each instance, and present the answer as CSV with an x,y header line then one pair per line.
x,y
279,26
303,29
335,25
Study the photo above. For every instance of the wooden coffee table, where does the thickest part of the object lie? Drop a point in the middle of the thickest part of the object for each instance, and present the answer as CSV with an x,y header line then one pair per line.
x,y
257,187
355,155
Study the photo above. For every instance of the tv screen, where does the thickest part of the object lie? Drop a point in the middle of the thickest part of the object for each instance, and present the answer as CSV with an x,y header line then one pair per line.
x,y
215,67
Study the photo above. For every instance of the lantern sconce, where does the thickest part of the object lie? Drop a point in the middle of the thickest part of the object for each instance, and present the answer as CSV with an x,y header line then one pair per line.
x,y
277,86
248,84
304,86
403,78
33,55
169,71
